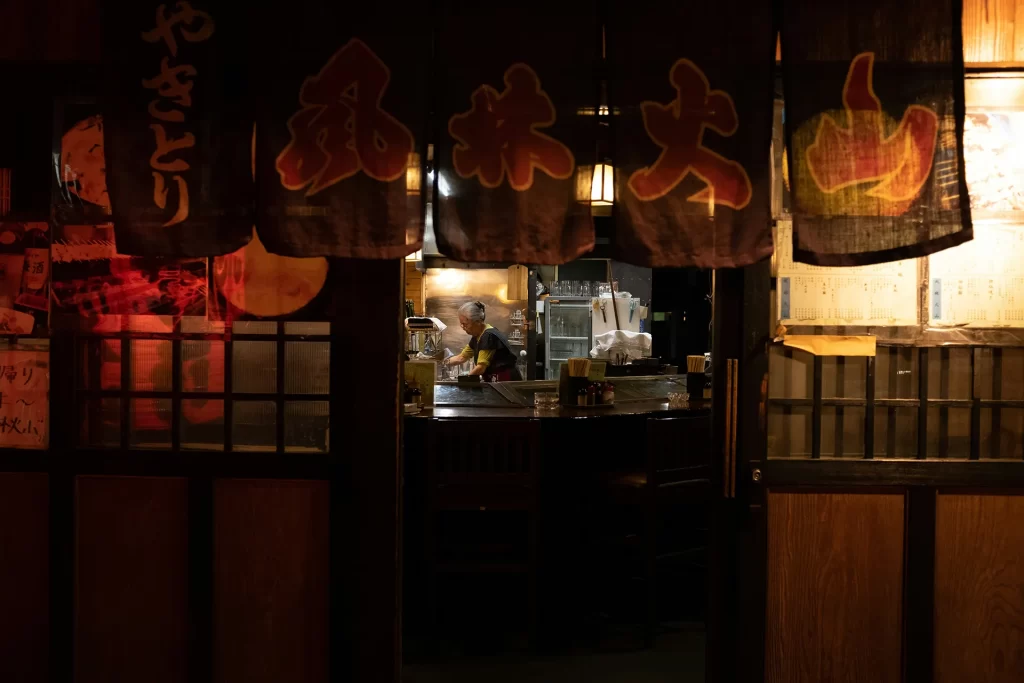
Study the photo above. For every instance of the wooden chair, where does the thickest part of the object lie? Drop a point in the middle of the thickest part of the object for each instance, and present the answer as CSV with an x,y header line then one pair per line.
x,y
481,466
677,470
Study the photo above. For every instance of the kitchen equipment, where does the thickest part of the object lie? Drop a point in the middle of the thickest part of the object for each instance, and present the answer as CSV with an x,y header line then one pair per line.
x,y
568,329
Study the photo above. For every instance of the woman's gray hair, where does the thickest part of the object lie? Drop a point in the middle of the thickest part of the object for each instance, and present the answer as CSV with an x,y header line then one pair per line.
x,y
474,310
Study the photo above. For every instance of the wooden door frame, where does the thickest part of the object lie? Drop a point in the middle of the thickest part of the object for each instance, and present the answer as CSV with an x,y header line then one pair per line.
x,y
737,622
735,650
362,467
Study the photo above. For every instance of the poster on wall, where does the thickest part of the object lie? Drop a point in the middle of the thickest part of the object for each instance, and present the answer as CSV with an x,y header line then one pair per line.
x,y
91,281
78,164
994,150
24,277
880,294
981,283
24,398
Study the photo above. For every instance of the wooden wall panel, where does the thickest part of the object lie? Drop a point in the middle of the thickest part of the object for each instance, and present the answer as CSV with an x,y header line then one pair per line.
x,y
834,591
24,577
989,30
270,581
414,287
979,589
131,580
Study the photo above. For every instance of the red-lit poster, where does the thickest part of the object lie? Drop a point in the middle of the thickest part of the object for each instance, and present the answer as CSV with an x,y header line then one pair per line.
x,y
691,119
341,102
24,277
79,163
177,127
24,398
516,145
874,125
92,281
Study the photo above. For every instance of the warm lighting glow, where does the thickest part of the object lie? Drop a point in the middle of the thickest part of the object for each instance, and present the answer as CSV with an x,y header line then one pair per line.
x,y
603,110
602,188
413,179
449,280
502,294
415,256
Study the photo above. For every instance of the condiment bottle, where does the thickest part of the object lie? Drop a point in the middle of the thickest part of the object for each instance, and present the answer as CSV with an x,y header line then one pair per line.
x,y
581,398
608,393
591,395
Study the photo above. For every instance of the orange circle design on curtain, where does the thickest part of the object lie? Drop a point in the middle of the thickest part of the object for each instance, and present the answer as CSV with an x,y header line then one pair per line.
x,y
872,165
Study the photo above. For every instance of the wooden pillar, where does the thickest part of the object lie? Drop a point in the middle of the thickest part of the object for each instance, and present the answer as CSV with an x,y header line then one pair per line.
x,y
365,500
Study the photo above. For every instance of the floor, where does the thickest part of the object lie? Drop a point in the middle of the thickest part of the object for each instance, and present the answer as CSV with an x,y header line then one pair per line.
x,y
678,657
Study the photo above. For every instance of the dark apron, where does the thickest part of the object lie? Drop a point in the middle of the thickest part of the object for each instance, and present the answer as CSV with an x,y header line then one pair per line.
x,y
504,372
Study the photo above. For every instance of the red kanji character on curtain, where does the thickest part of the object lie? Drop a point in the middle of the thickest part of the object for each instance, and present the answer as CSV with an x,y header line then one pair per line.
x,y
341,128
499,134
678,128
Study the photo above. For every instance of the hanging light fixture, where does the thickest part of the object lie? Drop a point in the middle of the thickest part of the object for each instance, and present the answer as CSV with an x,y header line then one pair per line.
x,y
413,175
600,191
602,187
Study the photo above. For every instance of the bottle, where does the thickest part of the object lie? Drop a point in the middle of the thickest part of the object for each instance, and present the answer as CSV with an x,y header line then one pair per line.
x,y
36,271
581,398
591,395
608,393
417,395
11,263
406,393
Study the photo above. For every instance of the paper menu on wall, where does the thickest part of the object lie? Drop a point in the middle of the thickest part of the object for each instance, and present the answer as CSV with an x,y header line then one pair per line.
x,y
882,294
979,283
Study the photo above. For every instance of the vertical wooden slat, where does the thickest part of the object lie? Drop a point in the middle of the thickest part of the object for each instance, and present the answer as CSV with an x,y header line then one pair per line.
x,y
24,577
1018,31
131,580
975,406
270,581
869,410
922,395
834,587
816,411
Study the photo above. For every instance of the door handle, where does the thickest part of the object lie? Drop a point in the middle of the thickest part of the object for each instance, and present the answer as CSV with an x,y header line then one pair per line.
x,y
732,382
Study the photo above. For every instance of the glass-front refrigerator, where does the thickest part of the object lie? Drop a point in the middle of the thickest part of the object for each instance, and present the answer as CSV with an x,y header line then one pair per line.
x,y
567,332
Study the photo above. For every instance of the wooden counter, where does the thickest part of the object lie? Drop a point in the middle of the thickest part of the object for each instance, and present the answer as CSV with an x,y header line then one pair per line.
x,y
631,408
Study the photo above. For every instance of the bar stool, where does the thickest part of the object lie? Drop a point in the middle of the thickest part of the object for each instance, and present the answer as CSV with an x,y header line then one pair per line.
x,y
481,466
677,470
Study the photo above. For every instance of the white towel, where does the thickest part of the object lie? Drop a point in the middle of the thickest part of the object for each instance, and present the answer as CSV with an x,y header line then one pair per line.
x,y
631,344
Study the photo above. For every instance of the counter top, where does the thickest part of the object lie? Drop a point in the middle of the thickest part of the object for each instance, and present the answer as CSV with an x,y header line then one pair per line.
x,y
660,408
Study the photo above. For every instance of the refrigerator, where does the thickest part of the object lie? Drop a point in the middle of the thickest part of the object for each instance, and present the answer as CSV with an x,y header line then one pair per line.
x,y
567,332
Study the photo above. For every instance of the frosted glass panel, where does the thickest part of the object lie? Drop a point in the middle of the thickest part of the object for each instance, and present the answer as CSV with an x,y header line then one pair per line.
x,y
307,367
254,367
